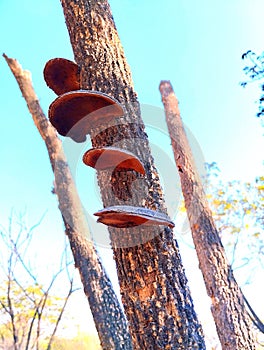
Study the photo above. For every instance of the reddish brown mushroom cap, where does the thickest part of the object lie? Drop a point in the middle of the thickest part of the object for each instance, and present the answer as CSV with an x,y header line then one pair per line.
x,y
112,157
75,113
122,216
62,75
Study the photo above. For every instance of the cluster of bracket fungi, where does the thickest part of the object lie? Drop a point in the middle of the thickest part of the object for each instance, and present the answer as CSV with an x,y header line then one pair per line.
x,y
74,113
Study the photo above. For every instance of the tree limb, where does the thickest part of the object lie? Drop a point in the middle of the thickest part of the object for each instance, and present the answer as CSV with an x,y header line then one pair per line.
x,y
226,297
97,286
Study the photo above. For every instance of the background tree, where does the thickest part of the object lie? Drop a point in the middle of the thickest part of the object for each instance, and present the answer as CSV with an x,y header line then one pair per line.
x,y
255,72
30,311
237,208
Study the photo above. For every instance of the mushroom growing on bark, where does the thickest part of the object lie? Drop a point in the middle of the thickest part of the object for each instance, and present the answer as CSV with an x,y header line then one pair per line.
x,y
112,157
75,113
62,75
123,216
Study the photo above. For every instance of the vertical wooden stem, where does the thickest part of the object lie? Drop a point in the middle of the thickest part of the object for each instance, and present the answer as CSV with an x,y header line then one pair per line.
x,y
107,313
153,284
231,318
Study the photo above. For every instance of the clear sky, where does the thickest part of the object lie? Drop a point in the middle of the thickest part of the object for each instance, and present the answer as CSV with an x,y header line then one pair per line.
x,y
196,44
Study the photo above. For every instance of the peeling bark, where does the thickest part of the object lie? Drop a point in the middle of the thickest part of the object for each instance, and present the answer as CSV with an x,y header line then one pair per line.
x,y
153,284
231,318
108,316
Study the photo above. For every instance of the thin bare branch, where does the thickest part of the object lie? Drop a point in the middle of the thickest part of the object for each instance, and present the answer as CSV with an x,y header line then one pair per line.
x,y
12,316
254,317
31,328
71,290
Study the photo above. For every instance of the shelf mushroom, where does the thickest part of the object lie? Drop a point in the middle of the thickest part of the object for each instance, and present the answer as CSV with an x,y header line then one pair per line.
x,y
75,113
123,216
112,157
62,75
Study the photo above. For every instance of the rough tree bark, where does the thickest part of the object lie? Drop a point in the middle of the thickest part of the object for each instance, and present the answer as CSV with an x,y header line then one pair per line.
x,y
153,284
231,318
107,313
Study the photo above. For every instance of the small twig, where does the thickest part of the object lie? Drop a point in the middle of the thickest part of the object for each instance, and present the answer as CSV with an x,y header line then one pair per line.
x,y
12,315
255,319
31,328
71,290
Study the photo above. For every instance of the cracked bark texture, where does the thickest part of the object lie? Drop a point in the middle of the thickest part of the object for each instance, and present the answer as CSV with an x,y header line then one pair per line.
x,y
153,284
230,315
108,316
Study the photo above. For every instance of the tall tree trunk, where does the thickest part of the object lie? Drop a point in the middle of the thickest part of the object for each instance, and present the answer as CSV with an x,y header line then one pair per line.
x,y
231,318
153,284
107,313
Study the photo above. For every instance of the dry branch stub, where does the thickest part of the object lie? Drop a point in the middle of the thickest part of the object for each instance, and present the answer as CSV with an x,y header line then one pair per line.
x,y
108,316
75,113
112,157
62,75
231,319
123,216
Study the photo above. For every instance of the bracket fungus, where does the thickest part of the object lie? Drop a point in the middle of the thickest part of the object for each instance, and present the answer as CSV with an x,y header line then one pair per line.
x,y
62,75
123,216
112,157
75,113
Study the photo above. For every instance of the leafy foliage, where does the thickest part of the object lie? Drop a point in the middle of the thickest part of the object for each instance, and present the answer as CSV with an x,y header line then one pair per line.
x,y
255,72
238,210
24,307
81,342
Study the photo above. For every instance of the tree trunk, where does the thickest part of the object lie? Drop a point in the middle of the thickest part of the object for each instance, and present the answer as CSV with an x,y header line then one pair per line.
x,y
107,313
231,318
153,284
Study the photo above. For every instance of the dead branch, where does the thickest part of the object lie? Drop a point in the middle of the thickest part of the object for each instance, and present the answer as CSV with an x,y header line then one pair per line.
x,y
97,286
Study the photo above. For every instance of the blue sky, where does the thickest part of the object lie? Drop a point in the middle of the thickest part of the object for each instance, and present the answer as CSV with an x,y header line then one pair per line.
x,y
195,44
